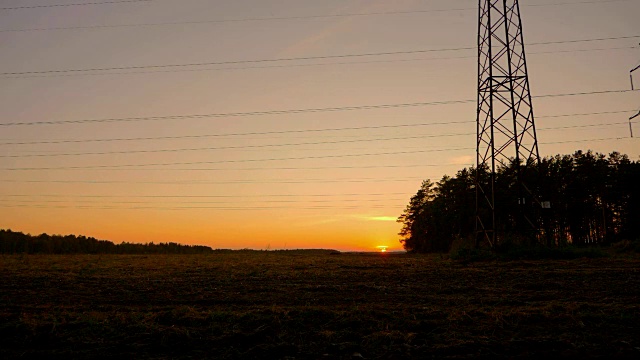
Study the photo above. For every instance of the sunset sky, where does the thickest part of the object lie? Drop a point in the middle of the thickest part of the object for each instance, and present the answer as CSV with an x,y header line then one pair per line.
x,y
218,154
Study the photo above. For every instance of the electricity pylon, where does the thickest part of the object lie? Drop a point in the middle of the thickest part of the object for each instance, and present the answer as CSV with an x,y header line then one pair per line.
x,y
632,88
505,127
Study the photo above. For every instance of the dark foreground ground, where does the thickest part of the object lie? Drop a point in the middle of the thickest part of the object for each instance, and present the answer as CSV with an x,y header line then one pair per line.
x,y
316,306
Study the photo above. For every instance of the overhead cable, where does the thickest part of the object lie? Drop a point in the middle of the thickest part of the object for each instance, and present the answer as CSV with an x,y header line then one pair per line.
x,y
282,132
274,18
74,4
145,165
236,68
262,146
303,58
291,111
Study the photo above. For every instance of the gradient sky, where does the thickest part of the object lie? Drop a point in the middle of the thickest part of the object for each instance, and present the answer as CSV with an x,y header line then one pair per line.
x,y
300,190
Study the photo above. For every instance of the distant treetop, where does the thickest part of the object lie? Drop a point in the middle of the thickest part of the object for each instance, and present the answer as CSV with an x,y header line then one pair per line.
x,y
12,242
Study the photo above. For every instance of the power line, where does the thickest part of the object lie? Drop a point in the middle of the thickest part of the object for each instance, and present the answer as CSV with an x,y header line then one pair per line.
x,y
304,58
584,40
222,21
325,207
200,196
233,181
243,160
145,165
287,131
422,146
584,140
238,114
214,202
235,68
233,134
290,111
359,167
288,202
575,3
422,136
75,4
230,147
280,18
237,61
188,199
291,203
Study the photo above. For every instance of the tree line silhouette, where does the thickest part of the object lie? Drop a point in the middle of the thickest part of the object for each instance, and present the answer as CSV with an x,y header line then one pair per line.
x,y
595,199
12,242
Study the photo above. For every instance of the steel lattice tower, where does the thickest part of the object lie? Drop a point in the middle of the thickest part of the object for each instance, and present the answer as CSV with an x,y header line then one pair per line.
x,y
505,126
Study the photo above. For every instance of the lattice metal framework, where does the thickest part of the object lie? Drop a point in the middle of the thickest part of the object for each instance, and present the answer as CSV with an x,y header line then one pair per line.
x,y
505,125
633,88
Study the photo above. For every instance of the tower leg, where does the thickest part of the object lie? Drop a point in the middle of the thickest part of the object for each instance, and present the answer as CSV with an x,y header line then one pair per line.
x,y
507,146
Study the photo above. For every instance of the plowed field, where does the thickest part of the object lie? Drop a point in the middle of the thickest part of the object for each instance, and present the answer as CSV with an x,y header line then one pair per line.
x,y
245,305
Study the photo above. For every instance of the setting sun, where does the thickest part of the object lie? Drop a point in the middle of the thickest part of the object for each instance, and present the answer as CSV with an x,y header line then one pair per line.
x,y
383,248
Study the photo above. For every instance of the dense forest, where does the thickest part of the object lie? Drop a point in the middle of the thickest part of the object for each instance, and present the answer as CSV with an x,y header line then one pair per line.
x,y
595,199
12,242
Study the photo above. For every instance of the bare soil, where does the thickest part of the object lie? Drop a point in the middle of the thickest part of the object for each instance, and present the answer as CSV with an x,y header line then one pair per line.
x,y
314,305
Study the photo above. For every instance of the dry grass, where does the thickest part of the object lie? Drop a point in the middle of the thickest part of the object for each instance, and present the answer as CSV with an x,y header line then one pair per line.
x,y
316,305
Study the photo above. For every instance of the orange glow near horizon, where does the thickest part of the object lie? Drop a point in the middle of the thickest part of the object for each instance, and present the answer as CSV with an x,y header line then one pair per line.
x,y
294,154
214,229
